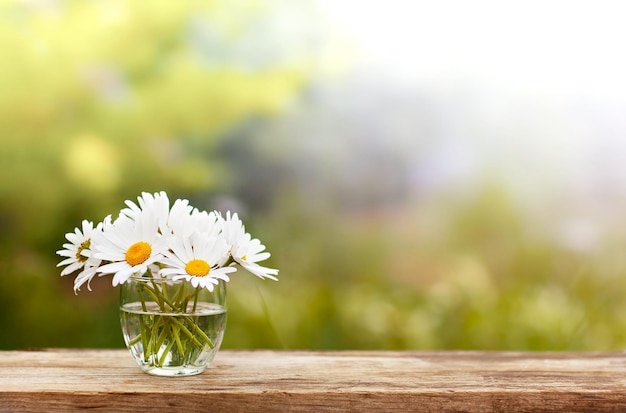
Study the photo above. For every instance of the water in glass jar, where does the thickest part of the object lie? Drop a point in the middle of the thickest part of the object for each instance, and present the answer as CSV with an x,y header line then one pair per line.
x,y
173,343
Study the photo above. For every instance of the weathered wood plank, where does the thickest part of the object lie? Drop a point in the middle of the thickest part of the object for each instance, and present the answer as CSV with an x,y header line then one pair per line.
x,y
265,381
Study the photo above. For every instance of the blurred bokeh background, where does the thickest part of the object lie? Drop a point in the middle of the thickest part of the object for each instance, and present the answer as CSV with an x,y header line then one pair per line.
x,y
427,175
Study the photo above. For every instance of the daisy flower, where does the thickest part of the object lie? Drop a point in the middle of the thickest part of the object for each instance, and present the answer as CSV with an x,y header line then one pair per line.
x,y
209,222
130,246
158,203
179,217
245,250
196,259
233,228
79,254
77,250
184,220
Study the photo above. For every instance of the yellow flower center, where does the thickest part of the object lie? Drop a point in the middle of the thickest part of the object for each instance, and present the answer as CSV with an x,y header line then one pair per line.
x,y
197,268
244,258
83,246
138,253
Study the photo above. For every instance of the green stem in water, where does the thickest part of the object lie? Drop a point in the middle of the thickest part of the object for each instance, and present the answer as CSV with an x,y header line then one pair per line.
x,y
179,344
161,334
165,353
144,336
179,297
195,299
195,329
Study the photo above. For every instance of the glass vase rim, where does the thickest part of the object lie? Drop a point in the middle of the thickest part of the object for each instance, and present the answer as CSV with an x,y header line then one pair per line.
x,y
144,277
158,279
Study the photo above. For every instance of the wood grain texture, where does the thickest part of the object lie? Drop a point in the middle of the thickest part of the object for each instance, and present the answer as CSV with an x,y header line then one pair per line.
x,y
285,381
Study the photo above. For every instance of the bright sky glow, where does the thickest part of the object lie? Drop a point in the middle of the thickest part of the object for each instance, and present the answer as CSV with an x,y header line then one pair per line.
x,y
555,47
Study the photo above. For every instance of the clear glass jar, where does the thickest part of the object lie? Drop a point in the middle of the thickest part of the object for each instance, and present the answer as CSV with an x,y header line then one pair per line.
x,y
172,328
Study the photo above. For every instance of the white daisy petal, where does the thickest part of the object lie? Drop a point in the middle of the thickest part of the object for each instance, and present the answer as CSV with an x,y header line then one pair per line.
x,y
157,204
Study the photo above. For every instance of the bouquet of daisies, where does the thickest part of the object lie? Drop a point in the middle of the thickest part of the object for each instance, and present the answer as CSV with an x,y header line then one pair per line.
x,y
156,239
157,250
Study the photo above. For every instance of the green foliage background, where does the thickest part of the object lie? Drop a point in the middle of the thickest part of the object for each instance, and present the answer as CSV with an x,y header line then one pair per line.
x,y
99,103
